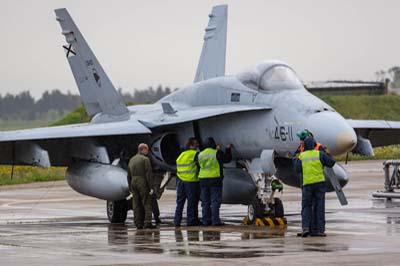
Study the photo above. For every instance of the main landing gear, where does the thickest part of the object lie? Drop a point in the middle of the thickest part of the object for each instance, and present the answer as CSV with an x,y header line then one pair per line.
x,y
118,210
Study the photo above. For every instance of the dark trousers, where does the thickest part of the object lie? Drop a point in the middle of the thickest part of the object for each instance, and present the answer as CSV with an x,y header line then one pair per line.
x,y
187,191
211,199
156,210
313,207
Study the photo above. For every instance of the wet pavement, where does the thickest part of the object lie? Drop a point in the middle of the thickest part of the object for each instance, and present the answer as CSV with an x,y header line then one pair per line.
x,y
49,224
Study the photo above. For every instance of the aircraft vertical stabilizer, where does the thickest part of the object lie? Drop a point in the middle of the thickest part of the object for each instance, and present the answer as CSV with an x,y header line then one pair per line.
x,y
97,91
212,59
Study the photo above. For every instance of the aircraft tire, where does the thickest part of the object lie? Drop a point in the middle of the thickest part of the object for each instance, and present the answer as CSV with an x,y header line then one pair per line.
x,y
255,209
278,208
117,211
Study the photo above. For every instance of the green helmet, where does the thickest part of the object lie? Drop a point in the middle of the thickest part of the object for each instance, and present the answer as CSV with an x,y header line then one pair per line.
x,y
303,134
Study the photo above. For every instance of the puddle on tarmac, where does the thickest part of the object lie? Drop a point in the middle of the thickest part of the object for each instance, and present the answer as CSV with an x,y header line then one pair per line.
x,y
231,241
385,204
323,247
228,242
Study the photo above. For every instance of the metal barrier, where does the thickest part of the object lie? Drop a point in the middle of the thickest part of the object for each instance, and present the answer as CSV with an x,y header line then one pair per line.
x,y
392,181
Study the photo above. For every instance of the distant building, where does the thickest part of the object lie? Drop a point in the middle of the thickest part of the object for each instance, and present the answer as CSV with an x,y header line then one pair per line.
x,y
342,87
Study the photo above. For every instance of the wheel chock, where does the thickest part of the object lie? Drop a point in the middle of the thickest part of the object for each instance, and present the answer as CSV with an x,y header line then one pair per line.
x,y
259,222
269,221
266,221
275,221
281,221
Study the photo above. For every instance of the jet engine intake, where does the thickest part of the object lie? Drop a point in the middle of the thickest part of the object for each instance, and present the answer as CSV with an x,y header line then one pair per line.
x,y
164,151
97,180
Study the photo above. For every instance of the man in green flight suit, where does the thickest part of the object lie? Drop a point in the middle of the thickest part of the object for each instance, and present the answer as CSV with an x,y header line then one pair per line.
x,y
140,179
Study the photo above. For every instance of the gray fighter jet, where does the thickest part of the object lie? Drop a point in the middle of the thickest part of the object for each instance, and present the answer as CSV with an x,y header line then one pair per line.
x,y
259,111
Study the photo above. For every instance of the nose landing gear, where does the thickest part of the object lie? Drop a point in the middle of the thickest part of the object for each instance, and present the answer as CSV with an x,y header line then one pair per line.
x,y
261,215
265,209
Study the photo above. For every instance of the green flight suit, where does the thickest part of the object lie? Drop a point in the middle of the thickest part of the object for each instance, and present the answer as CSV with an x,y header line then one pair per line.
x,y
140,177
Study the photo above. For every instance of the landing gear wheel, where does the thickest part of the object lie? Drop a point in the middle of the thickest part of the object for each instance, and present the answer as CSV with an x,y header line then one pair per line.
x,y
277,208
255,210
117,211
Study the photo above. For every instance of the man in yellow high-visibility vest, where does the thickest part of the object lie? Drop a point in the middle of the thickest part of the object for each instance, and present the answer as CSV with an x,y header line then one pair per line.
x,y
310,165
211,161
187,187
302,136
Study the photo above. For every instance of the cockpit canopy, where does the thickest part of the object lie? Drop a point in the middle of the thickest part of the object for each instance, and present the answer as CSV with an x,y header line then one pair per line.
x,y
270,76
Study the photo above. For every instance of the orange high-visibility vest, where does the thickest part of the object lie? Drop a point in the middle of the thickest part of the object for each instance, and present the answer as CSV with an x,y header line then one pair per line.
x,y
316,147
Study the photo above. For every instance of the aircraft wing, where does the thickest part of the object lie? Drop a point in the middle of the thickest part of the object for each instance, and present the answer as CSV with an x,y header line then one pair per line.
x,y
75,131
59,146
171,116
379,132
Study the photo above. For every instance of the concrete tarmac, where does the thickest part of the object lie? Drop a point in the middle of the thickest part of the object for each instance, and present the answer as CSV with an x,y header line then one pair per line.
x,y
50,224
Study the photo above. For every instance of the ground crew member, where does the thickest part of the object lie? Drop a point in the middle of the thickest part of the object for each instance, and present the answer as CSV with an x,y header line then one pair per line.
x,y
140,179
211,162
187,187
123,162
311,164
302,136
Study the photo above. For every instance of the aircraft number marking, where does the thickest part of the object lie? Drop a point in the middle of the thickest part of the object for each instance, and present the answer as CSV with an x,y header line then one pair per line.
x,y
89,62
284,133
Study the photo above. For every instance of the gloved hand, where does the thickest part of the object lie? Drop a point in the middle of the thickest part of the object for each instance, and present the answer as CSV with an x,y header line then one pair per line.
x,y
276,185
326,150
151,192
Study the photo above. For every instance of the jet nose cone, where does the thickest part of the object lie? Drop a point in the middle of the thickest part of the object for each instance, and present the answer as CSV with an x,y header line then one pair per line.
x,y
332,130
346,141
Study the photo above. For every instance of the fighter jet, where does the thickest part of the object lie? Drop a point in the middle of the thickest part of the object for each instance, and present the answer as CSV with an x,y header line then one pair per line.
x,y
258,110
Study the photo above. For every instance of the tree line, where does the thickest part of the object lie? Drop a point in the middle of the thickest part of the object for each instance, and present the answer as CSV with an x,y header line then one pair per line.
x,y
23,106
149,95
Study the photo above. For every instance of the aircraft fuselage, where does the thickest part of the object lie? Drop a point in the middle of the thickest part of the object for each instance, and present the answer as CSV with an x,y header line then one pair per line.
x,y
251,132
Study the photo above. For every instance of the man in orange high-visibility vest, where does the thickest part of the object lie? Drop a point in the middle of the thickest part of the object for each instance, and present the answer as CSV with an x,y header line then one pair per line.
x,y
302,136
310,164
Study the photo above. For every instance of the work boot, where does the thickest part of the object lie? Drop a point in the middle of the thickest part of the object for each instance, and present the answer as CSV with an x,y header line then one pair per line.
x,y
318,235
220,224
150,226
139,227
304,233
195,223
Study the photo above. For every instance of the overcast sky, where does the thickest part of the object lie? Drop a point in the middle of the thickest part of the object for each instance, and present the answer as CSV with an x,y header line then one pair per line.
x,y
146,43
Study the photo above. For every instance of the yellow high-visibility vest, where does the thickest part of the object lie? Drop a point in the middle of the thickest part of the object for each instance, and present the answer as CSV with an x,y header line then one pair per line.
x,y
209,166
186,167
313,170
